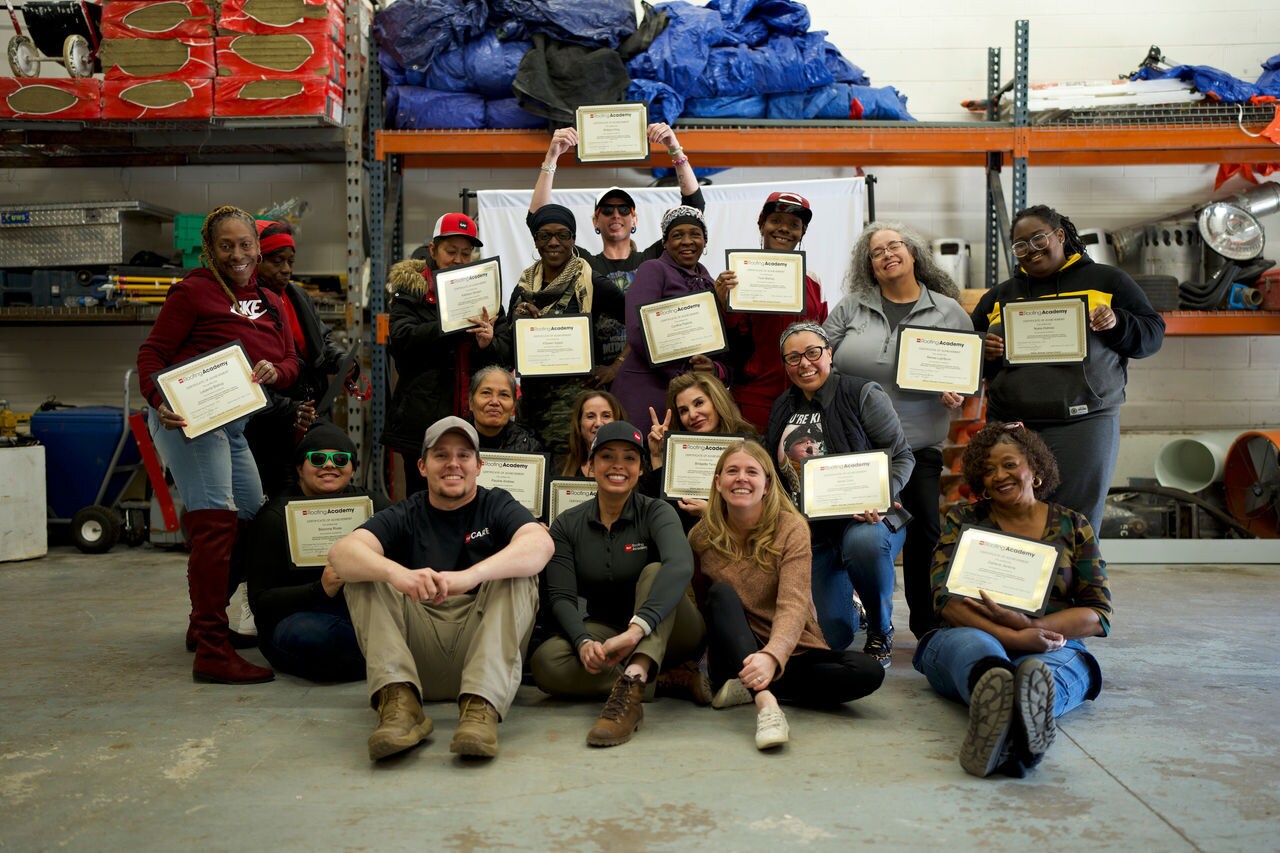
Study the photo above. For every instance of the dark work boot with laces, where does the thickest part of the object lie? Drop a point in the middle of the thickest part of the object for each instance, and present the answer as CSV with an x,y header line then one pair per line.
x,y
622,714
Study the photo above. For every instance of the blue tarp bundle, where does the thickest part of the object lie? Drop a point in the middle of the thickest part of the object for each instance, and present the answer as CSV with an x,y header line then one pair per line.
x,y
1207,79
599,23
1269,81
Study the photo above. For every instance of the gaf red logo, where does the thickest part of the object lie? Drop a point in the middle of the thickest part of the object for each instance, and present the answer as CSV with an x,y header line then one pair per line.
x,y
636,436
304,512
635,546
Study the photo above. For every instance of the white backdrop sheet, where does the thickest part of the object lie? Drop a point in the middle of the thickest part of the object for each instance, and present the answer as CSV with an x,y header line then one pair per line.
x,y
838,206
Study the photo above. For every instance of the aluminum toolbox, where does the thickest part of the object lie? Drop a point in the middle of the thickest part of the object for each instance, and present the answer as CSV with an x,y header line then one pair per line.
x,y
80,233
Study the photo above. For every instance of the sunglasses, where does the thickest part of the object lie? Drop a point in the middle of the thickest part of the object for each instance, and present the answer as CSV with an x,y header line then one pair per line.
x,y
339,458
542,238
611,209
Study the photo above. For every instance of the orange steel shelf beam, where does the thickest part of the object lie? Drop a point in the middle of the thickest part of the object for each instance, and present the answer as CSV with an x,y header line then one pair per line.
x,y
869,144
1221,322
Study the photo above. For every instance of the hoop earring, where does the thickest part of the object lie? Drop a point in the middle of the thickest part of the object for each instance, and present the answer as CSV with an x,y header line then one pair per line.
x,y
598,230
633,229
1036,482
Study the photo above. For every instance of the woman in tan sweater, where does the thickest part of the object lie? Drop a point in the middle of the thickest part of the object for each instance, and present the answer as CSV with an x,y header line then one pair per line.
x,y
764,643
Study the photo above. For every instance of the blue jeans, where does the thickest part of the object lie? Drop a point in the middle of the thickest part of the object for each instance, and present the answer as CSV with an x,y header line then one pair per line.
x,y
948,655
214,471
863,562
318,645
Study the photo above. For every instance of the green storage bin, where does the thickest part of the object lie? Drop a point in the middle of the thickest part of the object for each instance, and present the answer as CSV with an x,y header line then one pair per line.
x,y
186,232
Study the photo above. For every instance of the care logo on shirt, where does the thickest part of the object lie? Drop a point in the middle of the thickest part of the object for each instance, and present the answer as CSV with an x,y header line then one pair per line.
x,y
475,534
251,308
635,546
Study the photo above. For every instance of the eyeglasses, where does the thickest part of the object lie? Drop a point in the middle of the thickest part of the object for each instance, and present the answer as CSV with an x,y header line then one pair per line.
x,y
1038,242
811,354
339,458
544,237
611,209
891,246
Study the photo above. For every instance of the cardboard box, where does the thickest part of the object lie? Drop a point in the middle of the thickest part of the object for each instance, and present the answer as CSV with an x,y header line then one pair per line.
x,y
302,97
51,98
272,17
280,56
148,100
157,59
168,19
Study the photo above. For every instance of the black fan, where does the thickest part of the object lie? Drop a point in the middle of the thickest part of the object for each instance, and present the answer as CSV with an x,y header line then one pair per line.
x,y
1251,477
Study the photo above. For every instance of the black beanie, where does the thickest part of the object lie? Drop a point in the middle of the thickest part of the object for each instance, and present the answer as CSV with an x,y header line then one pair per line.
x,y
326,436
553,214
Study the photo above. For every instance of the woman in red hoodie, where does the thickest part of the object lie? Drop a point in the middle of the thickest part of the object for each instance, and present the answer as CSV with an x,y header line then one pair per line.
x,y
215,473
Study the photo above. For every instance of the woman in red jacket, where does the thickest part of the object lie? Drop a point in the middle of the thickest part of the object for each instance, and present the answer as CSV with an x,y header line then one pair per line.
x,y
215,473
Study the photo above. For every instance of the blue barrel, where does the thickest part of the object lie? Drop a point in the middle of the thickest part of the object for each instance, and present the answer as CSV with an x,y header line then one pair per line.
x,y
79,443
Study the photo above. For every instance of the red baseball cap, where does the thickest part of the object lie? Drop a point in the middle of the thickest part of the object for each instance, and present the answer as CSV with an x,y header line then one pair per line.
x,y
787,202
457,225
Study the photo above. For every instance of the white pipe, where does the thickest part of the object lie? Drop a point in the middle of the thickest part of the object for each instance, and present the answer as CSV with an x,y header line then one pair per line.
x,y
1195,462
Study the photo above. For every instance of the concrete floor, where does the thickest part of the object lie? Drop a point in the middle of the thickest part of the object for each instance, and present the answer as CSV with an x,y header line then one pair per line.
x,y
107,744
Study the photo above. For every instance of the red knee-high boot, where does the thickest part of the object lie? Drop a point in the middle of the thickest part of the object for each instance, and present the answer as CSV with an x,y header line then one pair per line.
x,y
213,536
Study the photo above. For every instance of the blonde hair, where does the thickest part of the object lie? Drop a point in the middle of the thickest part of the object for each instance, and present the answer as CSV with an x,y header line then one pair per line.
x,y
206,247
760,550
731,419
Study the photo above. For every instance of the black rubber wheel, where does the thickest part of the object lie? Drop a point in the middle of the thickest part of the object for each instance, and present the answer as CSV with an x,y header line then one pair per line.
x,y
1161,290
95,529
135,531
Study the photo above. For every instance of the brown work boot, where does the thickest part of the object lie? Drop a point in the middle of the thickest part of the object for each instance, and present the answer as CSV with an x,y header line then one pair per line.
x,y
686,681
622,714
477,733
401,723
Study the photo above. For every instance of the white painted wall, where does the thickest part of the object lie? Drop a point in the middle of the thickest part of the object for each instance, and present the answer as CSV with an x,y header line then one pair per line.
x,y
934,51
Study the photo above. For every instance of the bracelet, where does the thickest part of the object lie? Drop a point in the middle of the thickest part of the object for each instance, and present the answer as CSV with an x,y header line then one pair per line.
x,y
679,161
550,170
674,151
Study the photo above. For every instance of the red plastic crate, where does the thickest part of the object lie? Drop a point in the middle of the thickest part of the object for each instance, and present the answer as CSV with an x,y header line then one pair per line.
x,y
132,100
50,98
167,19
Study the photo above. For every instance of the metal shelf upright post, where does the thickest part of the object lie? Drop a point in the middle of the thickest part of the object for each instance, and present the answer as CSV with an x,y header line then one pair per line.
x,y
355,102
376,172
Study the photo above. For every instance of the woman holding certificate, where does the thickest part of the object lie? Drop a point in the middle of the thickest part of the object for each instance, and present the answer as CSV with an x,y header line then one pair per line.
x,y
215,305
827,413
561,283
1063,370
894,282
783,221
1016,672
433,365
625,555
764,643
642,382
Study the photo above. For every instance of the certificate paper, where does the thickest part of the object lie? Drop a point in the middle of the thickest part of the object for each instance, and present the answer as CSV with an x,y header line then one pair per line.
x,y
1046,331
553,346
463,290
566,493
689,463
768,282
939,360
314,525
683,327
211,390
524,475
1013,570
845,484
610,132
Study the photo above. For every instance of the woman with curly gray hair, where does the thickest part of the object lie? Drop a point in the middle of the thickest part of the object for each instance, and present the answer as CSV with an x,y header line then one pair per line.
x,y
894,281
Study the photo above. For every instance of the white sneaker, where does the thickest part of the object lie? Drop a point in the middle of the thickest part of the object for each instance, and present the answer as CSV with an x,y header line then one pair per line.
x,y
731,693
771,728
247,625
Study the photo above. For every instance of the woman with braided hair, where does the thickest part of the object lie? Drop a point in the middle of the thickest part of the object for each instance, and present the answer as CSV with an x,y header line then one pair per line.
x,y
215,473
1075,407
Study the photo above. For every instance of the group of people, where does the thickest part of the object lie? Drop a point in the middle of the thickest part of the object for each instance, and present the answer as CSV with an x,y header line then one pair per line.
x,y
735,599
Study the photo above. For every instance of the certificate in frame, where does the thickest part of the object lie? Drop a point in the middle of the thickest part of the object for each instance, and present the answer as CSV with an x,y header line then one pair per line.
x,y
212,389
935,360
613,133
682,327
523,475
1015,571
554,346
313,525
567,492
1046,331
463,290
769,282
845,484
689,463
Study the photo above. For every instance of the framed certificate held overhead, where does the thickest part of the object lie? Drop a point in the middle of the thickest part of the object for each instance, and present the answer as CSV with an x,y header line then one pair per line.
x,y
464,290
689,463
314,525
768,282
613,132
938,360
211,390
845,484
553,346
1014,571
1046,331
567,492
524,475
682,327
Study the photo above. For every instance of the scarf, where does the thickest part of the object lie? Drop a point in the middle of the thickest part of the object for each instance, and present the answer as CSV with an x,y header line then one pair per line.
x,y
574,280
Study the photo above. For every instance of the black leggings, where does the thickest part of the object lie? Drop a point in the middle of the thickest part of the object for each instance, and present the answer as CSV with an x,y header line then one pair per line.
x,y
816,677
920,497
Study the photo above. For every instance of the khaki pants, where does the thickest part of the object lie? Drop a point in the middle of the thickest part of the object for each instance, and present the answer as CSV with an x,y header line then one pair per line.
x,y
467,644
680,637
